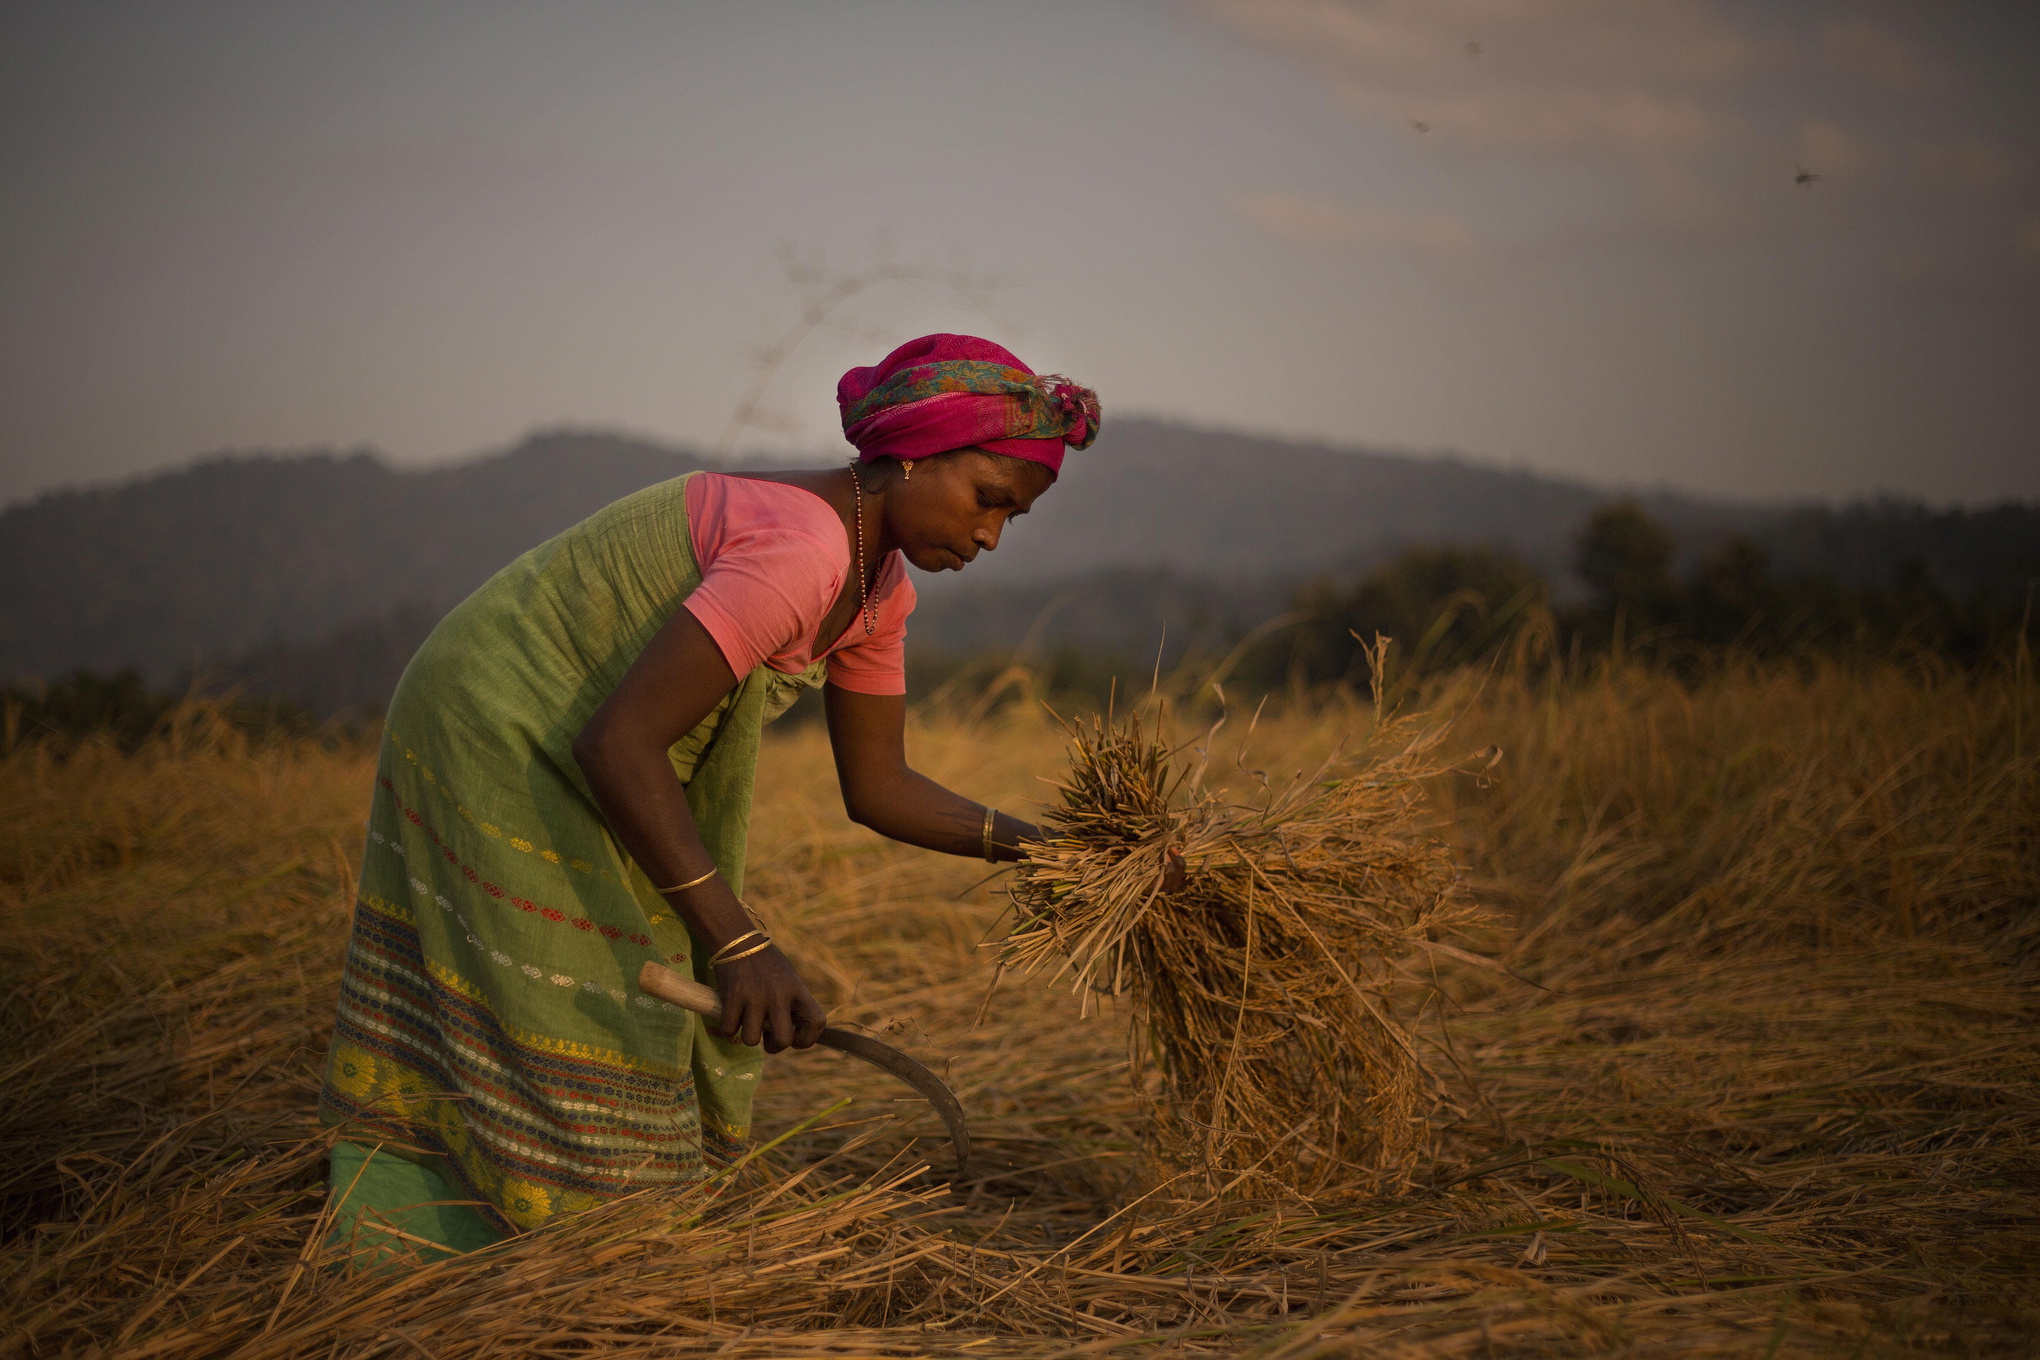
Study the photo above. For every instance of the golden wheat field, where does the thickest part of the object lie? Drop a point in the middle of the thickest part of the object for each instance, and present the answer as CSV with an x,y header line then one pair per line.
x,y
1768,1085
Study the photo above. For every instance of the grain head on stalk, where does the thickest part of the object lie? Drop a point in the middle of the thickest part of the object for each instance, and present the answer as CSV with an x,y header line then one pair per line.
x,y
1265,986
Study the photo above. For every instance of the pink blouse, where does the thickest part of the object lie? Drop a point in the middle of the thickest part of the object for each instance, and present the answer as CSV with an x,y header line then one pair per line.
x,y
773,558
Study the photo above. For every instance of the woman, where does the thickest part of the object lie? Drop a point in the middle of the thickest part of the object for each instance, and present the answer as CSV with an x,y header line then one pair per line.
x,y
565,788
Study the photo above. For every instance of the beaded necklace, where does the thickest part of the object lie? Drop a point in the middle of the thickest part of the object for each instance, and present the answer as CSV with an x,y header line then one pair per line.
x,y
863,588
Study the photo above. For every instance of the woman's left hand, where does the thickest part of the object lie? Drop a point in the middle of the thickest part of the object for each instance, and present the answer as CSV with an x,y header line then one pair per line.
x,y
765,1001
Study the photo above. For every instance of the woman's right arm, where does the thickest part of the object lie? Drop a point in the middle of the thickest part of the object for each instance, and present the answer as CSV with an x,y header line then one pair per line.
x,y
675,682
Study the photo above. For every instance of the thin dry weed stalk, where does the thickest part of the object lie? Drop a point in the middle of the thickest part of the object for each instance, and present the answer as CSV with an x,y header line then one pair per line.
x,y
1787,918
824,290
1265,985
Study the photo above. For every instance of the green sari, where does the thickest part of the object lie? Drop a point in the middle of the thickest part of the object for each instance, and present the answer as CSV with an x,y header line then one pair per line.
x,y
489,1026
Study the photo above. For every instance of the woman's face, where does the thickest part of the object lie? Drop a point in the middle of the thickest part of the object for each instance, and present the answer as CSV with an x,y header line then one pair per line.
x,y
957,505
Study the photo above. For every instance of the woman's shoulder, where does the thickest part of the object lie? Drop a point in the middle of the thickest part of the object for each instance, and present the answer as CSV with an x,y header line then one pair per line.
x,y
723,508
766,501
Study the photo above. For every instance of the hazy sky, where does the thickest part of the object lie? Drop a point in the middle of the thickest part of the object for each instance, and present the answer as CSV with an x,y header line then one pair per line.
x,y
1562,234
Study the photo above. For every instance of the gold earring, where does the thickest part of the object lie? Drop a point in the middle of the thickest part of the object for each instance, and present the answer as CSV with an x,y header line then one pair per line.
x,y
907,470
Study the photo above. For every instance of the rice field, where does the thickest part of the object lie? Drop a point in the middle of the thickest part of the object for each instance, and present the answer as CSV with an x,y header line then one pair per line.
x,y
1765,1080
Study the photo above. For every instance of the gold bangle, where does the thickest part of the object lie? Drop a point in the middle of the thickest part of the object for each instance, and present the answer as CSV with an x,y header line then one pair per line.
x,y
728,945
758,948
990,812
690,883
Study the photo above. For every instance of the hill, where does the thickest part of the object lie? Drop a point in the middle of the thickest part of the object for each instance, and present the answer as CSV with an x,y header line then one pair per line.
x,y
315,575
191,566
1221,504
188,567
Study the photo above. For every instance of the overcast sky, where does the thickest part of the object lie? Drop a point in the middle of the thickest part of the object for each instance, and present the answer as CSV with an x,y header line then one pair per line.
x,y
1560,234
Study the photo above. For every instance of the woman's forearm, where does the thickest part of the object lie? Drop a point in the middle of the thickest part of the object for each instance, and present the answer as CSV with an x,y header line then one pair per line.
x,y
763,999
914,809
643,802
880,790
678,678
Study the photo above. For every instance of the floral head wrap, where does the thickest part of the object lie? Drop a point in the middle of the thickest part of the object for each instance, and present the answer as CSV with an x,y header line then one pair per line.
x,y
944,392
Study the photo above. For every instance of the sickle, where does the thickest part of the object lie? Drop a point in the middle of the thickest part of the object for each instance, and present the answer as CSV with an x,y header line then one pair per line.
x,y
655,979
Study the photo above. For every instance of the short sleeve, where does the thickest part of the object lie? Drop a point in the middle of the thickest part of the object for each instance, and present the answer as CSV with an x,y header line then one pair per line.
x,y
770,573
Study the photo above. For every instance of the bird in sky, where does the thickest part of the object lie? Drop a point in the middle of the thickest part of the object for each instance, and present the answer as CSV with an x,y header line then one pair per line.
x,y
1805,176
1419,124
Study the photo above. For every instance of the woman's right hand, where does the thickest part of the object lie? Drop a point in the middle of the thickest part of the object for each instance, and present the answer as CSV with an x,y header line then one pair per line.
x,y
764,1001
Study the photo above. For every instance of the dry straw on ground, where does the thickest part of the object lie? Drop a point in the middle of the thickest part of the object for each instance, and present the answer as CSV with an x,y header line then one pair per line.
x,y
1782,1099
1265,983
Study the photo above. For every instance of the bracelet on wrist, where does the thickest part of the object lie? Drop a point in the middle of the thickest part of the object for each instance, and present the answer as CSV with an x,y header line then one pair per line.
x,y
725,954
763,944
690,883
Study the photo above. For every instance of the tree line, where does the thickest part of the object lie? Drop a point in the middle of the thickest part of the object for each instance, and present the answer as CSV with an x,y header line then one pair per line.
x,y
1451,605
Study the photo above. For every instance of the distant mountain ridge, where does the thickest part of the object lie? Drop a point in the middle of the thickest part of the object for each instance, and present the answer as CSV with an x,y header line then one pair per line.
x,y
302,558
190,566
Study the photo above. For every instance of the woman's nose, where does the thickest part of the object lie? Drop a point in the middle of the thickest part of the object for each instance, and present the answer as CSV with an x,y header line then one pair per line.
x,y
986,536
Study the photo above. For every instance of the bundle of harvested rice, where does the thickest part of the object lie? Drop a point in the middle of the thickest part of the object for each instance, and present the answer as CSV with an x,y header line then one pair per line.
x,y
1263,983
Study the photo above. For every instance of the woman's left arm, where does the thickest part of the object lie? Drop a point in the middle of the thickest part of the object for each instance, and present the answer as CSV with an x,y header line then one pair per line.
x,y
869,735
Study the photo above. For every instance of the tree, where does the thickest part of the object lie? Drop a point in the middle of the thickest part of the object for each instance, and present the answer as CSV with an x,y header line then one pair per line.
x,y
1444,606
1732,597
1625,558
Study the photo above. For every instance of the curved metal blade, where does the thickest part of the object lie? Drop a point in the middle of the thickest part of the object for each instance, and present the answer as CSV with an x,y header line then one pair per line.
x,y
655,979
913,1074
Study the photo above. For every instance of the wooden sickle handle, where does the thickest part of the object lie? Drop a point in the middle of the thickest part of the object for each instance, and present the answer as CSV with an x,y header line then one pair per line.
x,y
656,979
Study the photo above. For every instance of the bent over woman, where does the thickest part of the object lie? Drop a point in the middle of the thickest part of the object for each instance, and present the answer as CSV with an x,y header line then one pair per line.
x,y
565,788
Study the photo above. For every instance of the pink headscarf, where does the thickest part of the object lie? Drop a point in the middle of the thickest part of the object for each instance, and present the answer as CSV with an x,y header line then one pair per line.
x,y
944,392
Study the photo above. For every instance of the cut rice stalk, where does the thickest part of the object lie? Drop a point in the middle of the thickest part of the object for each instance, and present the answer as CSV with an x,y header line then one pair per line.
x,y
1263,986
